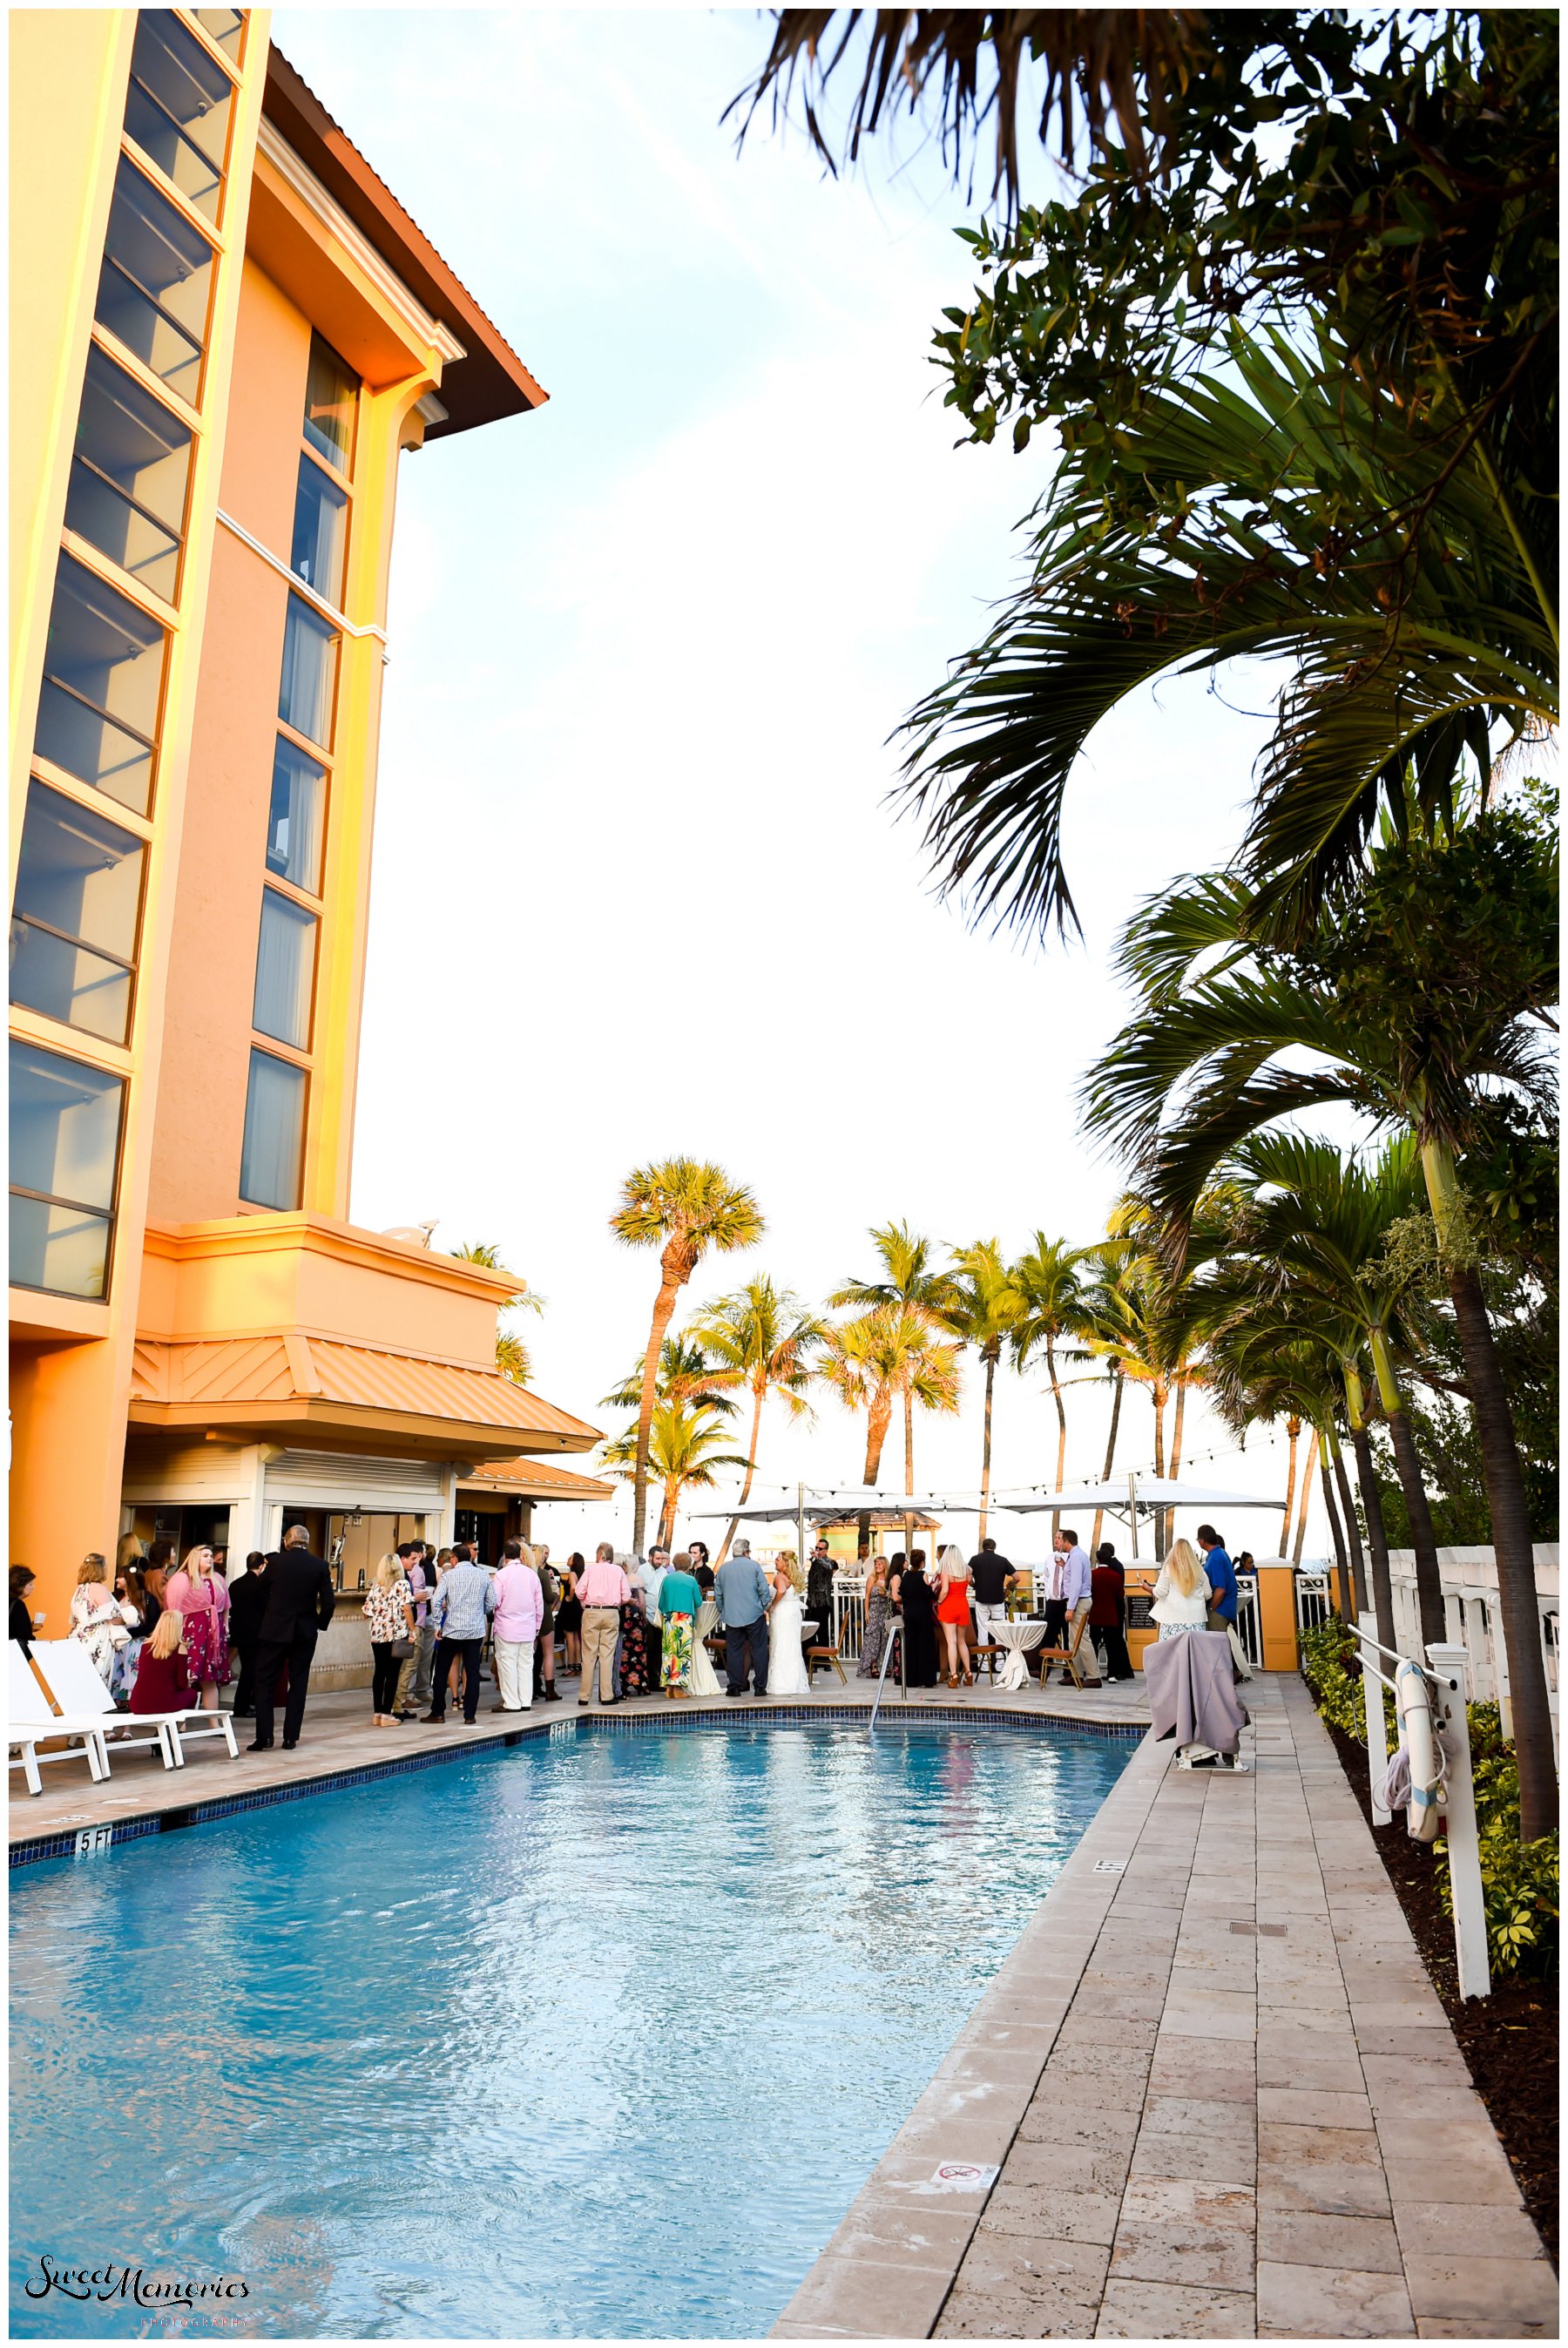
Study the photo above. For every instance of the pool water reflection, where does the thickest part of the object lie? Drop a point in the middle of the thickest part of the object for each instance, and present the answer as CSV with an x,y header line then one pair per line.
x,y
596,2036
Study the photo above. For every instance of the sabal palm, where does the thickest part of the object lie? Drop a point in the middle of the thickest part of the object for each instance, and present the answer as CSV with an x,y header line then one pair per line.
x,y
881,1358
763,1338
688,1372
984,1311
1053,1290
684,1208
910,1284
513,1359
1267,517
1238,1036
685,1446
1279,1361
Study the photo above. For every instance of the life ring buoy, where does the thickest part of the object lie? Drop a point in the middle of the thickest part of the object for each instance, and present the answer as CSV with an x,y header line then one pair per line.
x,y
1418,1734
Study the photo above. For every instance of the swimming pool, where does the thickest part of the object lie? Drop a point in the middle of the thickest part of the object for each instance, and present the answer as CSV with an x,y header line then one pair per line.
x,y
598,2035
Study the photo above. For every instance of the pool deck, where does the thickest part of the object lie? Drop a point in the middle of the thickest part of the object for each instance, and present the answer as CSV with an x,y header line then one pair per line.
x,y
338,1738
1211,2094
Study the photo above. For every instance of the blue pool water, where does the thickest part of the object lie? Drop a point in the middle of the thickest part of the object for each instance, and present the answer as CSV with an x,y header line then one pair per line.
x,y
592,2036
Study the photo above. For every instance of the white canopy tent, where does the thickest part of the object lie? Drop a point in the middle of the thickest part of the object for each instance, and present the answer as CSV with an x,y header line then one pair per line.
x,y
816,1504
1124,1495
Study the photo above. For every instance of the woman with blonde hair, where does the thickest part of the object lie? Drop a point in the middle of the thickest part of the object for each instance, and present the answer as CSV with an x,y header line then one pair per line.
x,y
953,1612
787,1673
101,1622
878,1606
389,1609
161,1683
1180,1593
201,1596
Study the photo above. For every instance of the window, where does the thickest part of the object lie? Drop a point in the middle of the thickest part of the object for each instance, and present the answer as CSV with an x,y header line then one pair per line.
x,y
153,287
103,676
65,1149
274,1133
321,531
295,821
330,393
73,928
178,108
285,971
224,27
130,477
310,673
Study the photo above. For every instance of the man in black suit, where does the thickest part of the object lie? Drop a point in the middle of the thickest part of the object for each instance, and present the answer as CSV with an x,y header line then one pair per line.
x,y
298,1602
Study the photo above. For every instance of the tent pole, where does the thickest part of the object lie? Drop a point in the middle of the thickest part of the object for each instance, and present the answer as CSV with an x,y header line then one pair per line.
x,y
800,1524
1132,1510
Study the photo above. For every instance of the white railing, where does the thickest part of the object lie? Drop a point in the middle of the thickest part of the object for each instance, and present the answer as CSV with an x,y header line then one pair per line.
x,y
1314,1599
1249,1630
1472,1618
849,1614
1444,1675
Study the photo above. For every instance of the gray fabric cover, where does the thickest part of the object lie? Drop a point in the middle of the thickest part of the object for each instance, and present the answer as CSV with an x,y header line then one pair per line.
x,y
1192,1694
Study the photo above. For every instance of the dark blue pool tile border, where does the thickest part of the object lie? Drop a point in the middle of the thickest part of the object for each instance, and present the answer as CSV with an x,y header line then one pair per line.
x,y
597,1723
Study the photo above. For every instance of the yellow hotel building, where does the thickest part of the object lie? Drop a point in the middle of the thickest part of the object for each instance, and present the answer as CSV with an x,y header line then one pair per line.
x,y
226,335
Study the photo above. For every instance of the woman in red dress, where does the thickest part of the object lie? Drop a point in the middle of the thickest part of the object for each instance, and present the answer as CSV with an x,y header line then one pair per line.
x,y
953,1613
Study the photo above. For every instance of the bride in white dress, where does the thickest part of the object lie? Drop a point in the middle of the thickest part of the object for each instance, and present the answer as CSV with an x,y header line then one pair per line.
x,y
786,1623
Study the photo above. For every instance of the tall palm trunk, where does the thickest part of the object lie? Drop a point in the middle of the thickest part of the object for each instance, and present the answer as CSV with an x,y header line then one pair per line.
x,y
1175,1456
878,1419
908,1461
990,1362
1412,1484
1352,1530
1306,1497
759,1394
1060,1429
1119,1380
1337,1533
663,1313
1293,1431
1507,1505
1376,1537
1159,1394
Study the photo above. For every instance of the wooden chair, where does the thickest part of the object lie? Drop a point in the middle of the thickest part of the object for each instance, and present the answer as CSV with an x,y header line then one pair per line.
x,y
825,1655
1066,1656
990,1653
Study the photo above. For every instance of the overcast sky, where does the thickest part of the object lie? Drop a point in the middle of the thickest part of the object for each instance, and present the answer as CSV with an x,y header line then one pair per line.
x,y
636,890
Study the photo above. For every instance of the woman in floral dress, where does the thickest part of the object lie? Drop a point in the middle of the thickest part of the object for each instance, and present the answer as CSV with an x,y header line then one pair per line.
x,y
634,1646
203,1597
102,1622
679,1602
877,1609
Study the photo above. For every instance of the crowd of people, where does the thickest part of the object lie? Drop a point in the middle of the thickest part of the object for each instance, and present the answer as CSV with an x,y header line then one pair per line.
x,y
165,1636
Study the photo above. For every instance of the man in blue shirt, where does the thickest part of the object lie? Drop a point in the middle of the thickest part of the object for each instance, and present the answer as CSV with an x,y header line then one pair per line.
x,y
464,1604
744,1598
1223,1592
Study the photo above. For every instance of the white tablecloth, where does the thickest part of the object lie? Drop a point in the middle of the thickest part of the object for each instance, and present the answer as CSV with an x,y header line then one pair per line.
x,y
1021,1637
703,1679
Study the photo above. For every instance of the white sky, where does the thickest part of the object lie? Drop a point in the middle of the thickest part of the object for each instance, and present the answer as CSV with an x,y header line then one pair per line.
x,y
635,891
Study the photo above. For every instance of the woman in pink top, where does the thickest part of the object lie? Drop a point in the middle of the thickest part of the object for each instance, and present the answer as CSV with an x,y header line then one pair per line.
x,y
203,1597
519,1610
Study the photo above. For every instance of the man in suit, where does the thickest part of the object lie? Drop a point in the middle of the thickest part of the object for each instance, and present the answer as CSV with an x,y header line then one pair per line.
x,y
298,1602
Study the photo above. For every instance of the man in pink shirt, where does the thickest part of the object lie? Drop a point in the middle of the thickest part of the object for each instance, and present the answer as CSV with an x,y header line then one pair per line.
x,y
519,1610
604,1590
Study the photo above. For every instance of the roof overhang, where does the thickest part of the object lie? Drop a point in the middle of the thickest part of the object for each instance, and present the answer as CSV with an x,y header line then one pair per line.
x,y
489,381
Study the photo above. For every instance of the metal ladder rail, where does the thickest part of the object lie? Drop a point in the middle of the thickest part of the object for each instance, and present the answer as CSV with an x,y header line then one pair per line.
x,y
895,1633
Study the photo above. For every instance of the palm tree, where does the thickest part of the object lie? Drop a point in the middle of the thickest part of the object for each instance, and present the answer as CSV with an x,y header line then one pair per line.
x,y
887,1356
762,1337
1415,1001
910,1284
1302,513
984,1311
683,1207
684,1450
1049,1277
513,1360
687,1372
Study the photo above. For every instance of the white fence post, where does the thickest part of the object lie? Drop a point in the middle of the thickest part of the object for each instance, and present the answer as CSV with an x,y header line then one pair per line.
x,y
1464,1842
1376,1729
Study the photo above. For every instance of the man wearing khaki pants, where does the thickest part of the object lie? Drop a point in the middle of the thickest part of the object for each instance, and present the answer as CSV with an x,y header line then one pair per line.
x,y
604,1590
1077,1591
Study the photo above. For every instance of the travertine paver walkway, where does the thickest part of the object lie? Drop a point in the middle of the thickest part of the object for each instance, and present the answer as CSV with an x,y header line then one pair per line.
x,y
1224,2098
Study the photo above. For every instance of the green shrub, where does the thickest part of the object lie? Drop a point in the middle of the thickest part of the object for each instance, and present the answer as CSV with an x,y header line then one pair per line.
x,y
1520,1879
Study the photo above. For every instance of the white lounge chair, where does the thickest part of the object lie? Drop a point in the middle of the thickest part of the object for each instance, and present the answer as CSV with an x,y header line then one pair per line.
x,y
69,1674
30,1720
